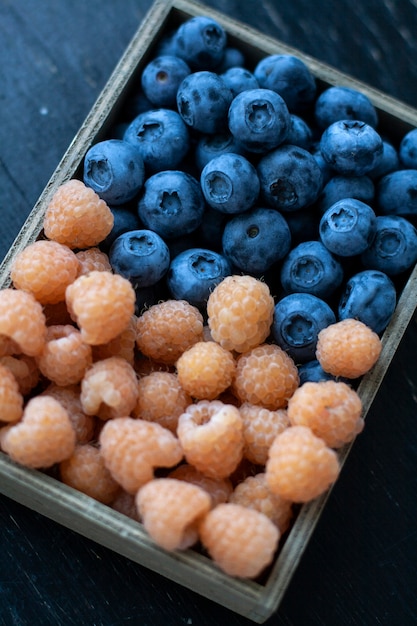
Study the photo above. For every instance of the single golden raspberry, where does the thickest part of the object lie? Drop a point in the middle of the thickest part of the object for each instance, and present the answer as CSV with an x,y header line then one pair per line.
x,y
65,357
11,400
260,427
123,345
240,312
219,489
77,217
206,370
84,425
93,259
25,369
22,321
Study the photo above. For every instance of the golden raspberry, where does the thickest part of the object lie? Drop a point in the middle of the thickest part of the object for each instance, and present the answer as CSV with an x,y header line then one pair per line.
x,y
43,437
11,400
125,503
167,329
93,259
206,370
8,347
22,320
77,217
109,389
211,434
241,541
133,448
25,369
240,312
171,511
260,427
266,375
45,269
65,357
84,425
348,348
332,410
161,399
85,471
219,489
123,345
300,466
102,304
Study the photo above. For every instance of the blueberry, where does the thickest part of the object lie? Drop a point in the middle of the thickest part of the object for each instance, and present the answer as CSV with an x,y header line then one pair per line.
x,y
141,256
259,119
344,103
408,149
348,227
161,78
290,77
290,178
125,219
390,161
299,133
115,170
230,183
233,57
298,319
172,204
201,41
396,193
394,247
351,147
194,273
313,372
239,79
162,138
340,187
203,101
370,297
311,268
256,239
210,146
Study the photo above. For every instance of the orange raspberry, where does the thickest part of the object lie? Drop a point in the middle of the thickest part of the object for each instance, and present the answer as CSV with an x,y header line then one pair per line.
x,y
8,347
219,489
255,493
260,427
65,357
133,448
167,329
265,375
240,312
93,259
22,320
43,437
161,399
25,369
211,434
85,470
125,503
45,269
109,389
300,466
171,511
84,425
102,304
348,348
241,541
11,400
123,345
332,410
77,217
206,370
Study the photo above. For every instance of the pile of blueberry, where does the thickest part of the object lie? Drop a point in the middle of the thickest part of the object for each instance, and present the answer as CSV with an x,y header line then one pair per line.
x,y
219,169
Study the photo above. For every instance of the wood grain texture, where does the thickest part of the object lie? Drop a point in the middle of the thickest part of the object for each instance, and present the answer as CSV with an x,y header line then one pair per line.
x,y
360,565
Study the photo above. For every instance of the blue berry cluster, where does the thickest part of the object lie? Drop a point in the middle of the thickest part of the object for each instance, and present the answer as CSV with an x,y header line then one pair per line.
x,y
220,166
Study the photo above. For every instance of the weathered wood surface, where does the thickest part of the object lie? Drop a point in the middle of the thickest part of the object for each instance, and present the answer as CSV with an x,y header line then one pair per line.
x,y
360,566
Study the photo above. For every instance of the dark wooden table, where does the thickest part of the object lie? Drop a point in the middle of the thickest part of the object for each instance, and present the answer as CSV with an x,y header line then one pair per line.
x,y
360,567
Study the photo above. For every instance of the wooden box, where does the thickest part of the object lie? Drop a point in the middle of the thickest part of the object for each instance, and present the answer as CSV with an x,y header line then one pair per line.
x,y
255,600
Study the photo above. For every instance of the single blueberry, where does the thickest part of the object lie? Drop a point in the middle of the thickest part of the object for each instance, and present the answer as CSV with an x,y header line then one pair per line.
x,y
161,78
256,239
396,193
141,256
340,187
369,296
348,227
232,57
239,79
203,101
390,161
313,372
259,119
172,204
351,147
394,247
311,268
125,218
290,178
210,146
298,319
230,183
194,273
408,149
344,103
299,133
201,41
115,170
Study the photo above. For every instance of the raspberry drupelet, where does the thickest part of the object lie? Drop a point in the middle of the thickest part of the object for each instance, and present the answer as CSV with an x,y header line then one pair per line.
x,y
240,312
260,427
65,357
167,329
348,348
332,410
22,321
93,259
77,217
45,269
69,396
211,434
171,511
11,400
102,304
206,370
300,466
219,489
265,375
240,540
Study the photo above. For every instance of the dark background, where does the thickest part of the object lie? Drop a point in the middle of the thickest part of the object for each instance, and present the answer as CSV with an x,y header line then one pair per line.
x,y
360,566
